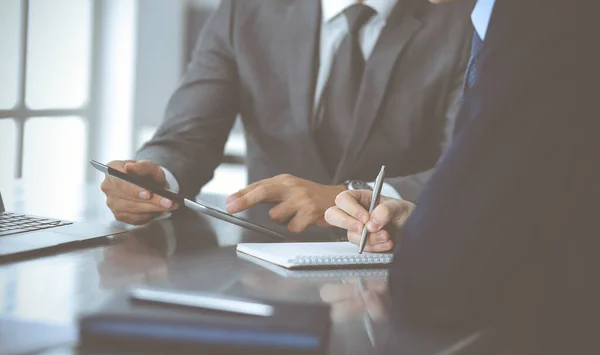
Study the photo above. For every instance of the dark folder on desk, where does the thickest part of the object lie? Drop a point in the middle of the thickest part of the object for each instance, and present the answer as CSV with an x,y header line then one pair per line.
x,y
124,326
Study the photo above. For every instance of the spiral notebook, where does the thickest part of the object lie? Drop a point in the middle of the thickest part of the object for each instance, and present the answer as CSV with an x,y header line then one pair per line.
x,y
310,255
320,274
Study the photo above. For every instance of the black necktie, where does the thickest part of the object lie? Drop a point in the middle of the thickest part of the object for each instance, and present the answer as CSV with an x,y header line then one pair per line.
x,y
471,76
342,88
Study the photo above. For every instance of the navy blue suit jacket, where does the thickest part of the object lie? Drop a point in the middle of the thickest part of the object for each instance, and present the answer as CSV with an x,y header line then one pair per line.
x,y
509,223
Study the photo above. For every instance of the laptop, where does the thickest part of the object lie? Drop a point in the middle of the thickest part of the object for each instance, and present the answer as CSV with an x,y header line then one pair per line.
x,y
20,233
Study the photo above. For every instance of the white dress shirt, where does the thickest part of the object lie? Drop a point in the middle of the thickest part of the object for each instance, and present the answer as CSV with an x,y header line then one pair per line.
x,y
482,13
334,28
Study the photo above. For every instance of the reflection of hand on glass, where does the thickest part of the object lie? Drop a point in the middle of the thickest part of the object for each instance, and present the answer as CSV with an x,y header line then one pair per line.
x,y
131,261
355,297
269,283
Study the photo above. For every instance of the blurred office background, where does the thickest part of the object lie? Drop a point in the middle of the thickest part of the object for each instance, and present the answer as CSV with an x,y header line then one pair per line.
x,y
83,79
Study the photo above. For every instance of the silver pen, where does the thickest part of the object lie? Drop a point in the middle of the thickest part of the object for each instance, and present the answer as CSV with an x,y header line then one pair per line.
x,y
374,199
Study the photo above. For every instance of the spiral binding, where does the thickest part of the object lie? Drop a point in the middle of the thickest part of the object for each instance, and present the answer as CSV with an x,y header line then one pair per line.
x,y
359,259
339,273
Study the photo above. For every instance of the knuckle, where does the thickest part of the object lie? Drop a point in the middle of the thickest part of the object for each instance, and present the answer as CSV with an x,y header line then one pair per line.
x,y
352,237
304,192
115,163
155,200
139,220
306,206
273,214
377,238
386,212
407,208
311,217
119,216
329,213
384,246
371,249
295,228
313,210
339,199
288,179
105,186
262,191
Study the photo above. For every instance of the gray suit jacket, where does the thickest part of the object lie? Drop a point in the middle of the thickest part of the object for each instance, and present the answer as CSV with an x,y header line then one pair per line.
x,y
257,58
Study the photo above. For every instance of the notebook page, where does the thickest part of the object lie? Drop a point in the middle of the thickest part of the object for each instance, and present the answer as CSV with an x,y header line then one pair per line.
x,y
254,249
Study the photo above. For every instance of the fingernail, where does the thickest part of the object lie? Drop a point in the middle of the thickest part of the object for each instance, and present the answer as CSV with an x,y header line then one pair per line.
x,y
381,238
363,218
166,203
231,207
373,225
229,199
144,195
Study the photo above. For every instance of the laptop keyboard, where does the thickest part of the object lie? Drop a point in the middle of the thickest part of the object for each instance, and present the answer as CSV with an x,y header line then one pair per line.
x,y
13,223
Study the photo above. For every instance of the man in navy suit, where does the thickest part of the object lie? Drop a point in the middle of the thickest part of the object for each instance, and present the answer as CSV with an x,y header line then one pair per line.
x,y
507,228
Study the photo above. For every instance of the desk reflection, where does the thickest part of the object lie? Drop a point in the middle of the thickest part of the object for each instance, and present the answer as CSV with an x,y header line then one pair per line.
x,y
191,252
356,297
132,261
359,300
145,255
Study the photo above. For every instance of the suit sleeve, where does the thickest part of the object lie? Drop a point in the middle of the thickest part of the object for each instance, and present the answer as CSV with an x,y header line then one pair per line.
x,y
517,188
409,187
201,112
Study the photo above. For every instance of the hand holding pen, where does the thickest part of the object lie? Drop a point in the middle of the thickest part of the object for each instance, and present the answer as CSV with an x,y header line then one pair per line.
x,y
353,212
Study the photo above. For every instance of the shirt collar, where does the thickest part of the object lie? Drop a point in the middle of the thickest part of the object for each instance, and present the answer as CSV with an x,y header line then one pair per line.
x,y
332,8
481,16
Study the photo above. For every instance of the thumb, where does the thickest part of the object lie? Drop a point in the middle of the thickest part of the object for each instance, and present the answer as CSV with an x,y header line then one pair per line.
x,y
388,211
147,169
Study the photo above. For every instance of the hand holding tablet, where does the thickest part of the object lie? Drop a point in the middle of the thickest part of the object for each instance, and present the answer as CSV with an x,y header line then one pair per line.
x,y
191,203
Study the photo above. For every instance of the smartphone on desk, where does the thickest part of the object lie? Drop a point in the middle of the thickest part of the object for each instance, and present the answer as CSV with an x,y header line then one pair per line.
x,y
191,203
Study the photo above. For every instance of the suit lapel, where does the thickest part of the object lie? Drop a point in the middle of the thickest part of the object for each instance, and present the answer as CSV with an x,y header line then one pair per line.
x,y
402,24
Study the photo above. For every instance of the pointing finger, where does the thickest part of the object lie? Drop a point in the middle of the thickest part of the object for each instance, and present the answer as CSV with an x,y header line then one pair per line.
x,y
263,193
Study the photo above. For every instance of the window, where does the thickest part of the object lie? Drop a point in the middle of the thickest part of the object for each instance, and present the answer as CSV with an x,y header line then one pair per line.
x,y
8,147
45,68
88,79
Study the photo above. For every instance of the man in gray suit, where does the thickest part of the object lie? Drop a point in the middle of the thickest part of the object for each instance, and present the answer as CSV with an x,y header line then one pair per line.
x,y
328,91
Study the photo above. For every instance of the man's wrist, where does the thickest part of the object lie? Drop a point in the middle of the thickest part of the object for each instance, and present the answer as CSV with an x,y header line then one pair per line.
x,y
357,185
337,188
388,190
